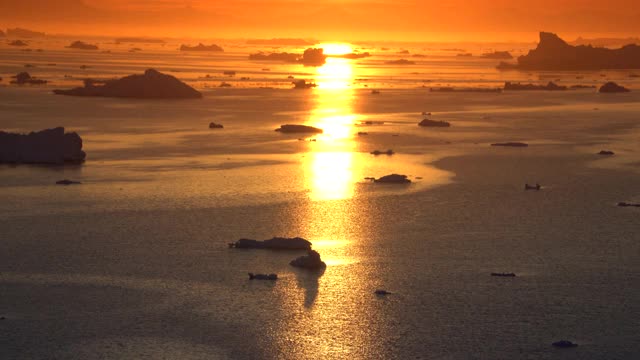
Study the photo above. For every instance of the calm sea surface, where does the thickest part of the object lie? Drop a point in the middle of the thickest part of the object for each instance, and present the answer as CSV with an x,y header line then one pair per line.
x,y
134,262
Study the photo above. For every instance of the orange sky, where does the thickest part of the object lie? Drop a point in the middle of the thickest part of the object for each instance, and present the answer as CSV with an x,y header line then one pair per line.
x,y
411,20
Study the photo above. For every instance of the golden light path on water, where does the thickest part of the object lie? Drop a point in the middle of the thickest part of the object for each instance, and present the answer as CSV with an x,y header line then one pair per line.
x,y
327,313
330,167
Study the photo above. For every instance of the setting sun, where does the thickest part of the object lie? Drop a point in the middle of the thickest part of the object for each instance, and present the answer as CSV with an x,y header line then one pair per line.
x,y
336,48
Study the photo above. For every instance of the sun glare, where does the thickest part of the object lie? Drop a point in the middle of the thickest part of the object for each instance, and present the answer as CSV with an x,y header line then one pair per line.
x,y
336,48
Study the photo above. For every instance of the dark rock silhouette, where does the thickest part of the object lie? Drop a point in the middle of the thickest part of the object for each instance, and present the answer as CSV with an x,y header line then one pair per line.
x,y
605,42
24,33
382,292
292,129
301,84
81,45
555,54
510,144
24,78
532,187
275,243
575,87
278,41
50,146
626,204
378,152
433,123
612,87
393,179
310,57
464,55
67,182
606,152
283,57
139,40
564,344
225,85
375,92
253,276
503,274
551,86
499,55
311,261
202,47
215,126
17,43
400,62
352,56
313,57
362,133
151,85
466,90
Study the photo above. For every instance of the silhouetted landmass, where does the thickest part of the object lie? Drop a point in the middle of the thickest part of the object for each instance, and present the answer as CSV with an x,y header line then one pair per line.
x,y
564,344
301,84
202,47
503,274
606,152
275,243
535,187
604,42
296,129
352,56
51,146
393,179
279,41
150,85
551,86
283,57
24,33
612,87
253,276
478,90
314,57
311,261
464,55
400,62
500,55
554,53
17,43
575,87
310,57
215,126
81,45
626,204
379,152
511,144
434,123
67,182
24,78
139,40
382,292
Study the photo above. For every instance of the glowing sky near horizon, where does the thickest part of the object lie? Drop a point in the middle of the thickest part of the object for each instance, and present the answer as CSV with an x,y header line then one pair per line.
x,y
380,19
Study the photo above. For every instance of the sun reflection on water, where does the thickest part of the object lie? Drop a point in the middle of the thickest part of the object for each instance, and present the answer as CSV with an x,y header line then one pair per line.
x,y
329,167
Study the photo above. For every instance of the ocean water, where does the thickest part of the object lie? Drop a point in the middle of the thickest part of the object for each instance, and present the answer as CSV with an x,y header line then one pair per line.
x,y
134,262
